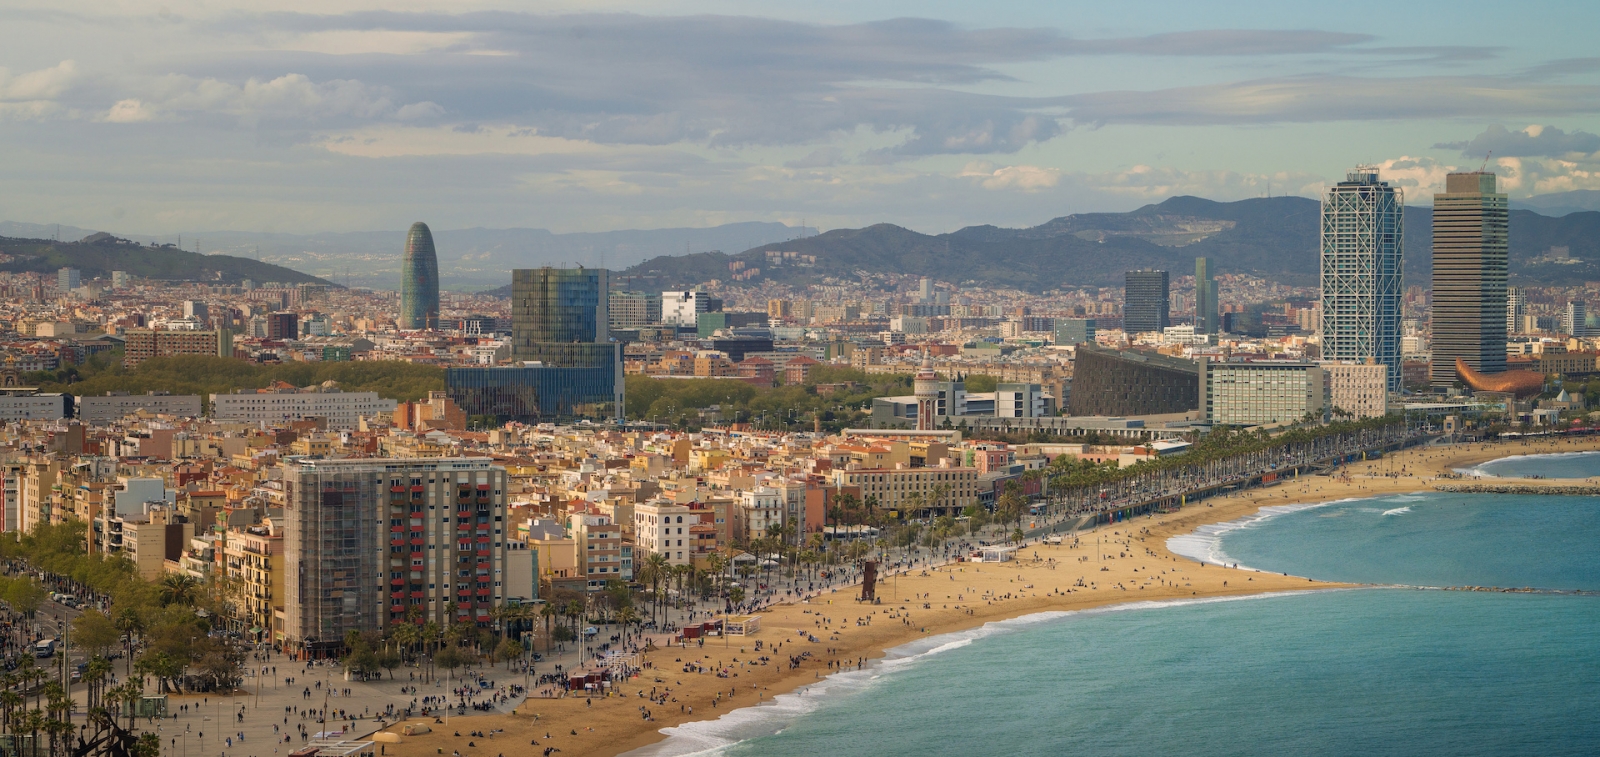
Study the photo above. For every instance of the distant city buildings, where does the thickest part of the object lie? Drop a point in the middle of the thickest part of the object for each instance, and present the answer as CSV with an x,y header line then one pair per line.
x,y
419,281
68,279
1470,237
1146,302
1074,331
143,344
285,404
1362,230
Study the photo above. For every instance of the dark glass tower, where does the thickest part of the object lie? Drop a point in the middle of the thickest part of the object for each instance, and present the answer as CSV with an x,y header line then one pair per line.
x,y
419,281
568,366
1146,302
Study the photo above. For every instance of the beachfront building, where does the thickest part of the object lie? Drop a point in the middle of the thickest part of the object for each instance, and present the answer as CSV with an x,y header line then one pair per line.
x,y
918,492
1263,393
1360,389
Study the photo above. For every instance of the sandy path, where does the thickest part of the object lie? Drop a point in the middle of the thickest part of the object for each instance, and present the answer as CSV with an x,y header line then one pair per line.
x,y
1120,563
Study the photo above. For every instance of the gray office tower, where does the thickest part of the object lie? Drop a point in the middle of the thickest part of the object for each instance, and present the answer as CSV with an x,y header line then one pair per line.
x,y
1146,302
1206,318
1470,233
1361,248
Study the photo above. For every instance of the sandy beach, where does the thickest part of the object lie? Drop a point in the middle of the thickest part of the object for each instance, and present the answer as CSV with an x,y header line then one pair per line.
x,y
1118,563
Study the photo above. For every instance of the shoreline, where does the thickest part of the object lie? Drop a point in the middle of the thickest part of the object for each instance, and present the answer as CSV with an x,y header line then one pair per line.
x,y
1113,564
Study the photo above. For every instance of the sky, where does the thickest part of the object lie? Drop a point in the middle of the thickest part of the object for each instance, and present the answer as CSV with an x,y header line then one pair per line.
x,y
177,116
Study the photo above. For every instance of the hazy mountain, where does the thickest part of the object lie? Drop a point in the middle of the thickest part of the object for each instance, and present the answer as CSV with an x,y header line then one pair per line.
x,y
468,258
97,255
1270,237
1561,203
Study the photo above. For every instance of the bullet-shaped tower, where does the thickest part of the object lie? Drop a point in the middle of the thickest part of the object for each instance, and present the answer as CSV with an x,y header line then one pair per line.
x,y
419,281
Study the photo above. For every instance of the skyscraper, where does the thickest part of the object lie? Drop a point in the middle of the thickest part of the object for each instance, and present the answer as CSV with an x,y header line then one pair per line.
x,y
1206,317
419,281
1470,233
1361,249
1516,307
1146,305
1575,322
568,365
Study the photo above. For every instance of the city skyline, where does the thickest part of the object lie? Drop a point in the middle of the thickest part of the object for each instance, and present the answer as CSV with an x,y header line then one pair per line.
x,y
355,116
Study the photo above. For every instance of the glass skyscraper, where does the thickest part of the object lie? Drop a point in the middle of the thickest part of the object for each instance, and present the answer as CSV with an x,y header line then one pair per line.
x,y
419,281
567,365
1146,302
1362,226
1470,234
1207,319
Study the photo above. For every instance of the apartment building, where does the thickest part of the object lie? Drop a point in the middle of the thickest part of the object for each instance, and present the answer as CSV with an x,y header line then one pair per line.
x,y
918,491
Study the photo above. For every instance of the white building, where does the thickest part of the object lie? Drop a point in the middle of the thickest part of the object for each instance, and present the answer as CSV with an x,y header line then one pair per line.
x,y
1359,389
1261,393
21,405
666,529
115,406
684,308
760,508
342,409
1022,401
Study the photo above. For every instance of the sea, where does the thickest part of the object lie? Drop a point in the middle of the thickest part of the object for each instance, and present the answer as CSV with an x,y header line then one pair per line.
x,y
1414,666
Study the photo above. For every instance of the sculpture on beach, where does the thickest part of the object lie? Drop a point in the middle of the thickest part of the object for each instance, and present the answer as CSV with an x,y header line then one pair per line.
x,y
1517,383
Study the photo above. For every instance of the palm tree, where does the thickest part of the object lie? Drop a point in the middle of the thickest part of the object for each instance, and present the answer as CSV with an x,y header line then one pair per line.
x,y
10,702
33,721
548,612
655,570
130,624
179,589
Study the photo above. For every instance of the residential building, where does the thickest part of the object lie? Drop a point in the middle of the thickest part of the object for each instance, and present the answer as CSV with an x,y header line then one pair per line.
x,y
117,405
599,548
1361,251
374,542
915,492
1359,389
253,562
143,344
1470,237
760,509
285,404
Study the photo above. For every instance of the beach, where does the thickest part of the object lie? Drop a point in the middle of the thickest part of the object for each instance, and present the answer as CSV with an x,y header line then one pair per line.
x,y
1117,563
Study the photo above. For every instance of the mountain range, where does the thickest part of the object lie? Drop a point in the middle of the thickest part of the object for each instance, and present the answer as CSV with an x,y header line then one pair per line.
x,y
474,258
1276,238
98,254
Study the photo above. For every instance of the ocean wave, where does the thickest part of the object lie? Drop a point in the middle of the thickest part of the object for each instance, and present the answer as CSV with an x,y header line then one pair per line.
x,y
714,737
1397,511
1481,470
1204,544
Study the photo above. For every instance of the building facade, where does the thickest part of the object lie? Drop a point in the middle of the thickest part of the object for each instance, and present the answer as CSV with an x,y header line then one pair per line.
x,y
370,543
684,308
918,492
631,310
1470,236
1146,302
1359,389
419,281
1074,331
1361,250
1262,393
143,344
1122,383
342,409
117,405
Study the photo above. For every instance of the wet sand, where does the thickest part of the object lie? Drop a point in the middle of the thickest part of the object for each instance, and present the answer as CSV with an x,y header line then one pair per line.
x,y
1119,563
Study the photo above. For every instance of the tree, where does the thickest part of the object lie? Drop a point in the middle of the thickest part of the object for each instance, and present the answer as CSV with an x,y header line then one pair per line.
x,y
388,659
450,658
94,632
179,589
507,651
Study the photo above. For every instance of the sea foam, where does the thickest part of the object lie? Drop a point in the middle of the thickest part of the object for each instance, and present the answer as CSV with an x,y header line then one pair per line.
x,y
1204,544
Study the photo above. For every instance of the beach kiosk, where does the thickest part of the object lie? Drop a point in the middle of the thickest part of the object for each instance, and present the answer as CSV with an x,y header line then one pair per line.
x,y
998,553
743,625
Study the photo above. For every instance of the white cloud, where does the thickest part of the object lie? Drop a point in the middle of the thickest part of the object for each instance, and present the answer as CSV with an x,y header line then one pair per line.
x,y
33,95
127,112
1024,178
1422,176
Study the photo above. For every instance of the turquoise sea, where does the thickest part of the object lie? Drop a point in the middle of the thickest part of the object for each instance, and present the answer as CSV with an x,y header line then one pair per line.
x,y
1386,671
1563,465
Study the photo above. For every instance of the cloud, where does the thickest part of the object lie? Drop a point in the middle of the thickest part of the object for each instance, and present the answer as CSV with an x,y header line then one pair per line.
x,y
821,157
291,99
1423,175
35,94
1024,178
127,112
1322,98
1533,141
